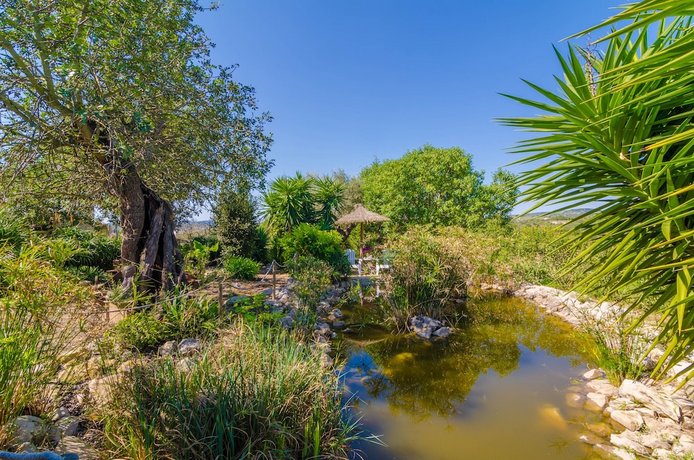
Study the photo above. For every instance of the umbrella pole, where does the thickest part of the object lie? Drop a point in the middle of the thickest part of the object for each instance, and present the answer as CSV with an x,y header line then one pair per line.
x,y
361,240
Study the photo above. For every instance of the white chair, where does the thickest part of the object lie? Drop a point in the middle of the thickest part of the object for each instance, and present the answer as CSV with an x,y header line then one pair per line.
x,y
353,262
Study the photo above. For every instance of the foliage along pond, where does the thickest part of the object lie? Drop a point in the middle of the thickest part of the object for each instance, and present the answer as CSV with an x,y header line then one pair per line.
x,y
494,389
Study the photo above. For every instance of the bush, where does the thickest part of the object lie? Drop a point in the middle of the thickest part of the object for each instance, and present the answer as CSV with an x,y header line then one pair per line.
x,y
309,240
12,230
427,271
256,391
254,310
197,255
312,278
241,267
141,331
93,249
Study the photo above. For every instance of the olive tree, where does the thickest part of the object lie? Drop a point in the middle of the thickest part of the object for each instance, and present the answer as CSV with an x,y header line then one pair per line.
x,y
117,101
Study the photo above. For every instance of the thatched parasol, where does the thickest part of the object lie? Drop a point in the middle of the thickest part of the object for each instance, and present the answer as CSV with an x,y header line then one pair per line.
x,y
359,215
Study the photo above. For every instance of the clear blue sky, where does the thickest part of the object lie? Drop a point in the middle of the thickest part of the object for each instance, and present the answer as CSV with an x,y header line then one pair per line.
x,y
349,81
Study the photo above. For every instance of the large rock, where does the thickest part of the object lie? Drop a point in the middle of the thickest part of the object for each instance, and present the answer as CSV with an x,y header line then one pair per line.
x,y
424,326
629,441
68,426
602,386
26,427
594,374
596,402
102,389
650,398
442,332
168,349
188,347
684,445
629,419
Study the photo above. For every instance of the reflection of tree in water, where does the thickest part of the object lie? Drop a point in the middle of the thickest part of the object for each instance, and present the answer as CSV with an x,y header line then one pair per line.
x,y
422,378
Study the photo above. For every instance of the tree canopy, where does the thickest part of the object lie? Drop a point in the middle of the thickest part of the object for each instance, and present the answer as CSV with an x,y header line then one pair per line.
x,y
437,186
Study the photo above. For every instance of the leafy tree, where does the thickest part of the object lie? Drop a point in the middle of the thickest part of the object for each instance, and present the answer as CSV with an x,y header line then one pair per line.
x,y
435,186
288,203
119,103
234,217
618,133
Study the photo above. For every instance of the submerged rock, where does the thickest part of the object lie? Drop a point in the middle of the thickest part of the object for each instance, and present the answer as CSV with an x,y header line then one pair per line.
x,y
425,327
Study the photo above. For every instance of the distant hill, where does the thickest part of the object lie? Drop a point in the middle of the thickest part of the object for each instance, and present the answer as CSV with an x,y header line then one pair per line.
x,y
553,217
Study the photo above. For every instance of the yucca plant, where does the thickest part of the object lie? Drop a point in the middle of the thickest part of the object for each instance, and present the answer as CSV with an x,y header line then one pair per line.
x,y
288,203
618,134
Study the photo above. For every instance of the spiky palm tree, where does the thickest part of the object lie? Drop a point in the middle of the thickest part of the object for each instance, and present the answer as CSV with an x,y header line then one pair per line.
x,y
288,203
328,195
619,133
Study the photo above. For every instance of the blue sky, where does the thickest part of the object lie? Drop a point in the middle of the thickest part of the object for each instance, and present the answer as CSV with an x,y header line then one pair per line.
x,y
351,81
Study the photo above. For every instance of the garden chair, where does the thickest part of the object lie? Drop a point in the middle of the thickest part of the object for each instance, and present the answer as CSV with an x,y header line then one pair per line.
x,y
353,262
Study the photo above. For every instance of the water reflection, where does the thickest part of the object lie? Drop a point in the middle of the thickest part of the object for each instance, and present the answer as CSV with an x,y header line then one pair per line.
x,y
508,365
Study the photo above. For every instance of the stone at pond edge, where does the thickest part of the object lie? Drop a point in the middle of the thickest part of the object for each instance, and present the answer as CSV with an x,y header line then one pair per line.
x,y
595,402
424,326
187,347
442,332
594,374
650,398
574,400
629,441
629,419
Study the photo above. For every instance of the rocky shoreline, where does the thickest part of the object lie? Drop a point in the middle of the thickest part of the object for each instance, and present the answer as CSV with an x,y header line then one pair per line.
x,y
648,419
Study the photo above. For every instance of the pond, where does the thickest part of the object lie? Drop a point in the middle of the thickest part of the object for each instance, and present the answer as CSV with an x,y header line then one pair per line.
x,y
496,389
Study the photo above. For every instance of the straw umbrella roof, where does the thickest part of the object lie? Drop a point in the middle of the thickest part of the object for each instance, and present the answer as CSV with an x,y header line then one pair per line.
x,y
360,215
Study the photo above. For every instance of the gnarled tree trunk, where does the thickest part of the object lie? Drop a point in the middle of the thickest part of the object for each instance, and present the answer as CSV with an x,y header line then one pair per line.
x,y
148,236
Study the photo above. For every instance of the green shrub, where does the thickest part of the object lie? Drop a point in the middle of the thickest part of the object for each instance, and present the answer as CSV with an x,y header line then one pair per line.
x,y
312,278
141,331
256,393
93,248
241,268
309,240
427,271
197,255
12,230
254,310
91,274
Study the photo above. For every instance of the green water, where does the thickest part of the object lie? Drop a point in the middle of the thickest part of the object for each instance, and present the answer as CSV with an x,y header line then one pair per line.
x,y
494,390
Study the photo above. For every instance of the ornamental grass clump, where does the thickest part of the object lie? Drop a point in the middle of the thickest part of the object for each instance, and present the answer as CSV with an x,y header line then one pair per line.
x,y
256,392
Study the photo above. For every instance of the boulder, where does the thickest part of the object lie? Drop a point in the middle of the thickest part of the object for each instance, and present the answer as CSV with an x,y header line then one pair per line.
x,y
168,349
602,386
60,412
424,326
26,427
188,347
101,389
68,426
339,324
684,445
601,429
575,400
629,419
596,402
629,441
650,398
322,329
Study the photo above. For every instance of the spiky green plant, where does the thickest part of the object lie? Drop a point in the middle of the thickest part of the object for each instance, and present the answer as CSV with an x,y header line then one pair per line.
x,y
618,134
328,195
288,203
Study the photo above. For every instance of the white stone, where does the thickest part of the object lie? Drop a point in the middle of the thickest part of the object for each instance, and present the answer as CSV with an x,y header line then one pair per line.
x,y
629,419
60,412
684,445
442,332
602,386
595,401
629,441
594,374
650,398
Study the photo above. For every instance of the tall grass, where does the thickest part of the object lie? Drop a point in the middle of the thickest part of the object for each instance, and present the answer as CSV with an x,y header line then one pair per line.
x,y
257,393
35,296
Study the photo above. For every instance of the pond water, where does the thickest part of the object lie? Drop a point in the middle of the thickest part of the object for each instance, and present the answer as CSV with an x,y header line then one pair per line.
x,y
494,390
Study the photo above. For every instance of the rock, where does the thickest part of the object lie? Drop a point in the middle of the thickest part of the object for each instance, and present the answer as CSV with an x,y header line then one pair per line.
x,y
233,300
611,452
339,324
629,441
650,398
60,412
168,349
620,403
595,402
654,441
337,313
594,374
684,445
590,438
602,386
188,347
629,419
322,328
68,426
186,364
74,445
26,427
600,428
442,332
424,326
575,400
661,454
287,322
26,447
